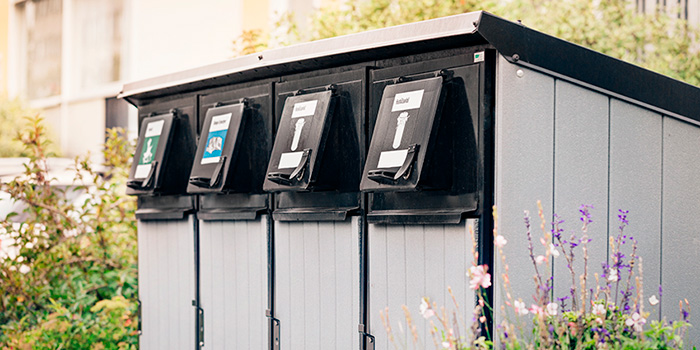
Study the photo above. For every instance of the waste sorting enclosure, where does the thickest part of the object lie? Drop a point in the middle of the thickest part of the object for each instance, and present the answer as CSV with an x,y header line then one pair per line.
x,y
297,198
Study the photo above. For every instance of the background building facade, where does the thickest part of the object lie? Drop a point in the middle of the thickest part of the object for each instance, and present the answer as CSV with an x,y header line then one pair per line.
x,y
71,57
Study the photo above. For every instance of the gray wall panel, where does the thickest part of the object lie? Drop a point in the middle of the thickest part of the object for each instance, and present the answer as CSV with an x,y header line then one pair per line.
x,y
635,185
407,263
378,283
166,284
567,145
524,165
580,176
233,283
317,284
681,219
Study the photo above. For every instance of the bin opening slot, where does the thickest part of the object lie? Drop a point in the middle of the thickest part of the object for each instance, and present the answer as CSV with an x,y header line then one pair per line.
x,y
214,180
389,177
288,179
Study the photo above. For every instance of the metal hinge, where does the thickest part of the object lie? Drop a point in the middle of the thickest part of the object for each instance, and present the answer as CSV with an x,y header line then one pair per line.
x,y
200,321
367,339
138,317
275,331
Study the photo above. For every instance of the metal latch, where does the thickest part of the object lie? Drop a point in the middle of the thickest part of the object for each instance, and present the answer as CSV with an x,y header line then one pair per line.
x,y
275,323
138,317
200,321
367,339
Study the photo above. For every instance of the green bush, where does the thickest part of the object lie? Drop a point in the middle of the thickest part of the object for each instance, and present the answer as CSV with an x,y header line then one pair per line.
x,y
13,113
655,41
70,282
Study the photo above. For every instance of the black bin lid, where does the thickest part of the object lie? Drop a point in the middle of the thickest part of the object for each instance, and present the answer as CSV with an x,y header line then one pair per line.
x,y
405,125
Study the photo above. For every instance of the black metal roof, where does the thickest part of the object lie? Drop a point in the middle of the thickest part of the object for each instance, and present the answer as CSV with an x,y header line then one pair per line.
x,y
516,42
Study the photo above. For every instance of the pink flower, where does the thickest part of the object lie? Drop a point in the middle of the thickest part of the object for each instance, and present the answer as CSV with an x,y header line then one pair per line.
x,y
540,259
636,321
479,277
599,310
535,309
425,308
520,308
500,241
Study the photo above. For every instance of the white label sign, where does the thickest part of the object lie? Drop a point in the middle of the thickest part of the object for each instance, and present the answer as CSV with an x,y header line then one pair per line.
x,y
407,100
220,122
304,109
142,171
392,159
154,128
290,160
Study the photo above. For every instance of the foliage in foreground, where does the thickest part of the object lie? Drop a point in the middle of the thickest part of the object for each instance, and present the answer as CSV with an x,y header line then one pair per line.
x,y
12,113
68,280
655,41
608,313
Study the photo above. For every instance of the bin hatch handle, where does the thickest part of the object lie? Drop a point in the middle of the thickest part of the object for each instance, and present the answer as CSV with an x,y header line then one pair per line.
x,y
296,175
390,177
147,183
213,181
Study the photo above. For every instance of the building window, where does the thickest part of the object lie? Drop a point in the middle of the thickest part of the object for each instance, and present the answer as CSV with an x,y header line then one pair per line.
x,y
43,27
97,43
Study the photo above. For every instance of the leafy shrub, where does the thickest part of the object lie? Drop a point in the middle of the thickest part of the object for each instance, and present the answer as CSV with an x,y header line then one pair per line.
x,y
12,116
655,41
69,280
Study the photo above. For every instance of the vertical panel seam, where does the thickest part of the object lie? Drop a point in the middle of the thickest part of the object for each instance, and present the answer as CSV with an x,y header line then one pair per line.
x,y
661,222
607,245
554,169
335,283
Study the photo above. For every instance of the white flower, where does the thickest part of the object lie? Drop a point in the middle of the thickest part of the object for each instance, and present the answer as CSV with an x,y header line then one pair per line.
x,y
520,307
24,269
425,308
445,345
540,259
500,241
636,321
653,301
599,310
552,309
479,277
553,250
613,276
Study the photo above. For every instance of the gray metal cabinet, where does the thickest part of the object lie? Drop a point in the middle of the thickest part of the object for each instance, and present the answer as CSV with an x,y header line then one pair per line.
x,y
167,284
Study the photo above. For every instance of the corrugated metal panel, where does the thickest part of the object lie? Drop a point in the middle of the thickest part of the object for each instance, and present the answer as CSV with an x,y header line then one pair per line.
x,y
233,279
613,154
680,249
166,290
407,263
524,166
317,284
580,175
635,183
